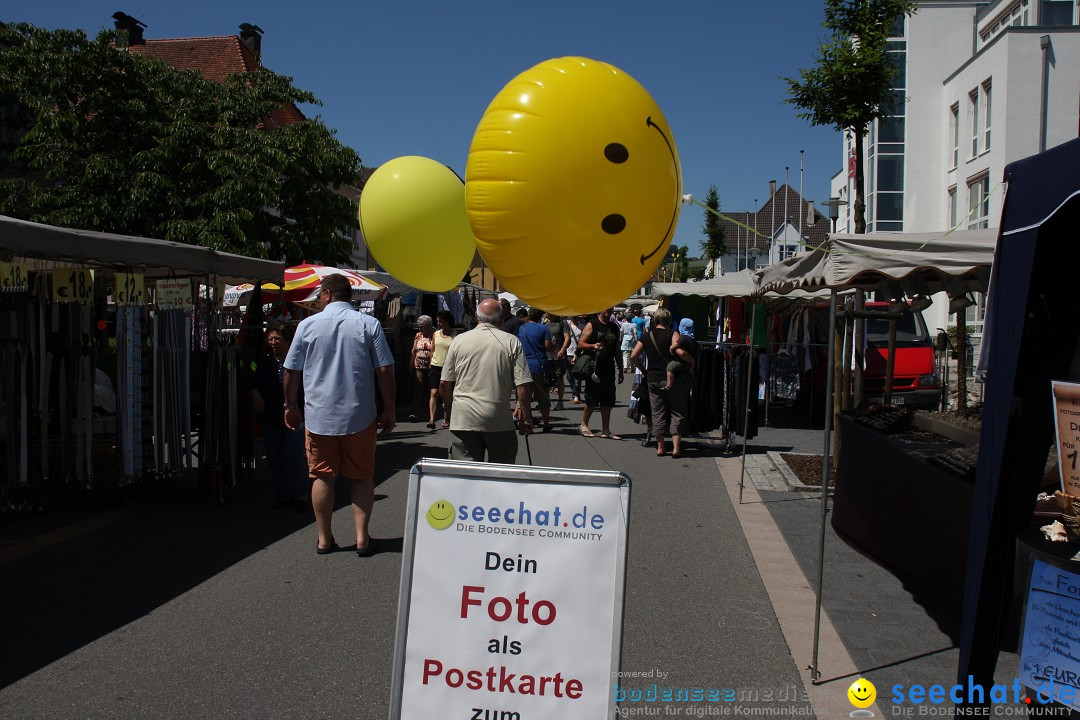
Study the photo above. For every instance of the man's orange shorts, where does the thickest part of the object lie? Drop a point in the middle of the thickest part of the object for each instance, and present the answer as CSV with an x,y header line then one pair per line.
x,y
349,456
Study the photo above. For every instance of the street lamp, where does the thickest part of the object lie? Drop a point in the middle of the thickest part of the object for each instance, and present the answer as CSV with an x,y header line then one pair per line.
x,y
834,204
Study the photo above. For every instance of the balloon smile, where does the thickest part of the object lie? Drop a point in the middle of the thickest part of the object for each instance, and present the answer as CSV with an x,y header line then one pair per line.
x,y
675,209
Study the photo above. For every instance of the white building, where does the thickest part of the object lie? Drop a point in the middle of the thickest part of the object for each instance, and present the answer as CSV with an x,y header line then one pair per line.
x,y
981,84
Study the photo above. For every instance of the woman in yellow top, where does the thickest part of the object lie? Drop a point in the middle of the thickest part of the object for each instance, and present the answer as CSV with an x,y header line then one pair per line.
x,y
442,339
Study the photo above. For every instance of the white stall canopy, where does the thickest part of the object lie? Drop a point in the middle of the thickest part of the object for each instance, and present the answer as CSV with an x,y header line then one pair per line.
x,y
737,284
923,263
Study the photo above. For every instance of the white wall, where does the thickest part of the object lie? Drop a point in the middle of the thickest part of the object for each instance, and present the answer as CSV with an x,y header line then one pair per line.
x,y
939,39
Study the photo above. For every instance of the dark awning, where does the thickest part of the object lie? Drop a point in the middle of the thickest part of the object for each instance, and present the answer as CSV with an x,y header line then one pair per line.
x,y
154,258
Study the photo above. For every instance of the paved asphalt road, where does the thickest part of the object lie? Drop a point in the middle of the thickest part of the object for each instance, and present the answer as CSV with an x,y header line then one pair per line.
x,y
182,609
185,609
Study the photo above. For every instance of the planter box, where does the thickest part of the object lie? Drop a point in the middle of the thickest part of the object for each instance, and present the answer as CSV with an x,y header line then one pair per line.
x,y
944,428
903,512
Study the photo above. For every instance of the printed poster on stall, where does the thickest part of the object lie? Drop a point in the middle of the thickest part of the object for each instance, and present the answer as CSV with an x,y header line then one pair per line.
x,y
1050,647
513,602
1067,432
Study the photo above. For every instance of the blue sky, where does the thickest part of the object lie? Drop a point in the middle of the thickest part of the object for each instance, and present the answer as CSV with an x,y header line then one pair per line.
x,y
414,78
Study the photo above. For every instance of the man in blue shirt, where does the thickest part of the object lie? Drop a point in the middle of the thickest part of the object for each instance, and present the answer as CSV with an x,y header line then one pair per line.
x,y
536,341
338,354
639,323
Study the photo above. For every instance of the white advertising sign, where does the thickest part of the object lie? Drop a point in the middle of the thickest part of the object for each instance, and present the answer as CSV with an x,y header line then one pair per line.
x,y
511,592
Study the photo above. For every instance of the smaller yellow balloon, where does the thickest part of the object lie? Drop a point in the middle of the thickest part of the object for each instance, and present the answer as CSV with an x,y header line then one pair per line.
x,y
412,215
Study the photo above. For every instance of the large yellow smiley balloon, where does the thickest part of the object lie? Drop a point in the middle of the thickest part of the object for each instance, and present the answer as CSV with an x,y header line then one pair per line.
x,y
573,186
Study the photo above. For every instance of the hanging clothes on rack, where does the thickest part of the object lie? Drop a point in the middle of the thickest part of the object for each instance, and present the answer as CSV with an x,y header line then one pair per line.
x,y
745,369
706,410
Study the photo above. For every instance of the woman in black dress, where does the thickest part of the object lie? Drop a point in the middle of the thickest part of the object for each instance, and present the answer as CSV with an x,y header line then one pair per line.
x,y
600,337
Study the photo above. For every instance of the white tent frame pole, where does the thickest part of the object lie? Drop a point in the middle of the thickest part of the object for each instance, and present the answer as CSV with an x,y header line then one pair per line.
x,y
815,672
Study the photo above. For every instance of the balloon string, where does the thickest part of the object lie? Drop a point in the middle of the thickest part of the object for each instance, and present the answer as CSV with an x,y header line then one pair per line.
x,y
850,251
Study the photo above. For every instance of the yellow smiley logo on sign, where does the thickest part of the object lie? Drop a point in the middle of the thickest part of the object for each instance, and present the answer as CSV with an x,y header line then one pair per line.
x,y
440,515
862,693
573,159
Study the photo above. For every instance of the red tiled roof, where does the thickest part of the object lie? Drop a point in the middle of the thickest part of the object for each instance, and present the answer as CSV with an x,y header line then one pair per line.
x,y
217,58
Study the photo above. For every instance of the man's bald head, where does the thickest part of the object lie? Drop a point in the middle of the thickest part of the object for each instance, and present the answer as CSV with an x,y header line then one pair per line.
x,y
489,311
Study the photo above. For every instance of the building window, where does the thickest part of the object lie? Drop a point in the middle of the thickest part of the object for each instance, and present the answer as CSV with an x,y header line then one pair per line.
x,y
890,212
986,115
954,131
973,112
890,173
979,203
975,315
1056,12
952,207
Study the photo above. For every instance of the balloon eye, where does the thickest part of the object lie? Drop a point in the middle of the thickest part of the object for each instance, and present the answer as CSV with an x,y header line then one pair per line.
x,y
613,224
616,153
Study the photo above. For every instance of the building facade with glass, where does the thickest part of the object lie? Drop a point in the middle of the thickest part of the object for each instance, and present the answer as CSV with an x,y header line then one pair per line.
x,y
979,85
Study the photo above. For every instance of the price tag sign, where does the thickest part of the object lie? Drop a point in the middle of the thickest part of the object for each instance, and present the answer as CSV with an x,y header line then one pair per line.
x,y
73,285
128,289
13,276
173,294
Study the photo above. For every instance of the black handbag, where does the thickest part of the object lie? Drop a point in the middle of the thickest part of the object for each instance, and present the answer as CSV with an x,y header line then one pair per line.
x,y
584,364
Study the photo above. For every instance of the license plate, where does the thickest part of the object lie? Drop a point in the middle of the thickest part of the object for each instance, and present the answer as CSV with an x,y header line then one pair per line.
x,y
898,400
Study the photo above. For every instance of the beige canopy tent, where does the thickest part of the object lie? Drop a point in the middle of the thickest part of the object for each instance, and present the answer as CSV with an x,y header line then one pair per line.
x,y
923,263
154,258
738,284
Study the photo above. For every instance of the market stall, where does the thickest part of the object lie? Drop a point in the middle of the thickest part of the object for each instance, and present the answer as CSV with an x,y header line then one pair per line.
x,y
897,266
114,363
1034,325
718,308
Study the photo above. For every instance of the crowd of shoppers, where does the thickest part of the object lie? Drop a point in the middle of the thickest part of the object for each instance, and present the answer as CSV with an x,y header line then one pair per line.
x,y
325,374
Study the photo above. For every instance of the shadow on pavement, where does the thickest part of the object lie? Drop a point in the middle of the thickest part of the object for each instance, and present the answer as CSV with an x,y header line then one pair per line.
x,y
80,587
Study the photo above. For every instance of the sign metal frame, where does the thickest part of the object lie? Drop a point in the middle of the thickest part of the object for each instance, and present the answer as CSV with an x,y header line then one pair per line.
x,y
494,472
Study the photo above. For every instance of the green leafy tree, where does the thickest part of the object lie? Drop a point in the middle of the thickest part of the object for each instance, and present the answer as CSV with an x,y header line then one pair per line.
x,y
851,84
714,245
115,141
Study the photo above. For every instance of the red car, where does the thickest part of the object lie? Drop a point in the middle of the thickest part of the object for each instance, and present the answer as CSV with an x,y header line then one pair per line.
x,y
915,379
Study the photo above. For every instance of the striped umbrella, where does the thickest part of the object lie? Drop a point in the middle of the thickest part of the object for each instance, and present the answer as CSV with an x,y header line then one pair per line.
x,y
302,285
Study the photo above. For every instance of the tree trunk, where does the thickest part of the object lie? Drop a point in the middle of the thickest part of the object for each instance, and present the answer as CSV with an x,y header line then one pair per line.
x,y
961,362
890,362
858,394
849,330
837,371
859,208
